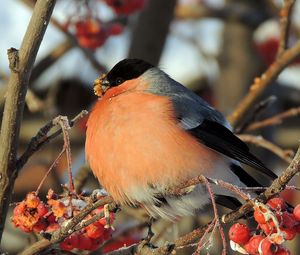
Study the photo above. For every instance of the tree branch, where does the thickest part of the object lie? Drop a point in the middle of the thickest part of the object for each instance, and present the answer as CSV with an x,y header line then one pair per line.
x,y
285,22
21,63
265,80
275,120
286,155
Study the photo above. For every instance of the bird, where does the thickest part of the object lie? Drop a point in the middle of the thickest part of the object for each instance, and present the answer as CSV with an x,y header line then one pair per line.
x,y
148,133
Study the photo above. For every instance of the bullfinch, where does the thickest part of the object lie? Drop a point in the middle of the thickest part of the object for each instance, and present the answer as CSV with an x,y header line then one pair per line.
x,y
148,133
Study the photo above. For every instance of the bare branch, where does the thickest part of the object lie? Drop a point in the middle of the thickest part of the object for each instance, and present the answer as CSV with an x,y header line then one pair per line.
x,y
21,63
275,120
286,155
42,138
265,80
285,22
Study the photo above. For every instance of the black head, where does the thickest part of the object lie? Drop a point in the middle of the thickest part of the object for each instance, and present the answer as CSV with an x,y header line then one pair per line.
x,y
127,69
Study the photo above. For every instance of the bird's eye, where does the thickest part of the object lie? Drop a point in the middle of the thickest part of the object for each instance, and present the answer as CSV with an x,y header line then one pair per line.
x,y
119,80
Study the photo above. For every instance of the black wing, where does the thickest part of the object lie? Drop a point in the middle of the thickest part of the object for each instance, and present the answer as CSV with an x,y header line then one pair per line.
x,y
222,140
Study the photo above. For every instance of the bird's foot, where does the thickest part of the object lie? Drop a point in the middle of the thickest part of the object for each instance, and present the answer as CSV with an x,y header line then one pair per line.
x,y
107,217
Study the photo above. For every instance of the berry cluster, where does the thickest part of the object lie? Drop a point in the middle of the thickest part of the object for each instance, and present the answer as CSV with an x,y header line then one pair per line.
x,y
275,225
90,31
33,215
125,6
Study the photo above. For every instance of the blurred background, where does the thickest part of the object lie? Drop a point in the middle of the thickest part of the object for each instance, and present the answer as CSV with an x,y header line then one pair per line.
x,y
214,47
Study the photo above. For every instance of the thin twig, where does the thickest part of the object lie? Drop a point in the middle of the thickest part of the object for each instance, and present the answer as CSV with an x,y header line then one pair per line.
x,y
49,170
201,243
216,215
274,120
64,124
286,155
265,80
259,108
42,138
81,178
284,23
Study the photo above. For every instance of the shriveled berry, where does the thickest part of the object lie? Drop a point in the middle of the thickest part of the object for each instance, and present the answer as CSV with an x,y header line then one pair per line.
x,y
239,233
32,200
277,204
253,244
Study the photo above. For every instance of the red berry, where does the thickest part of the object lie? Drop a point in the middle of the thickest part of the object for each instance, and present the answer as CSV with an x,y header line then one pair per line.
x,y
115,29
282,251
107,233
288,220
267,248
253,244
95,230
239,233
96,243
111,218
277,204
268,228
289,233
84,242
41,225
296,212
74,240
259,216
52,227
297,228
19,209
66,244
51,218
42,209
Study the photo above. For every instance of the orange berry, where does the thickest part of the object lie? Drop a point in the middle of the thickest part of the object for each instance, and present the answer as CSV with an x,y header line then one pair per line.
x,y
32,200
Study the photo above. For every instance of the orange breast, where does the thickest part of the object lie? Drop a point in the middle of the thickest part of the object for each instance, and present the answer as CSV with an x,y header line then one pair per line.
x,y
133,141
